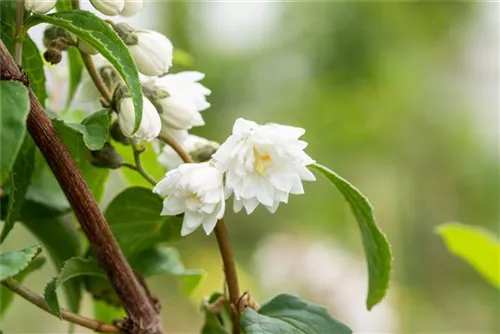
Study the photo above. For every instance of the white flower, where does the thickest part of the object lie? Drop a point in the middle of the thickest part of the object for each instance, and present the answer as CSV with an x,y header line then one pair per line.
x,y
152,52
150,124
195,190
180,98
263,164
39,6
132,7
170,159
108,7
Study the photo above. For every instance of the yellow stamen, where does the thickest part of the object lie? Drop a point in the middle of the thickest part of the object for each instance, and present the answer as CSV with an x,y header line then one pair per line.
x,y
260,162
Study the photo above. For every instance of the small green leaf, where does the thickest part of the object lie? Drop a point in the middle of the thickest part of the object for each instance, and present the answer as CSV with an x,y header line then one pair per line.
x,y
73,268
13,263
377,249
75,65
217,315
95,177
63,5
14,109
107,313
94,128
289,314
6,295
166,260
476,246
99,35
19,182
33,66
134,218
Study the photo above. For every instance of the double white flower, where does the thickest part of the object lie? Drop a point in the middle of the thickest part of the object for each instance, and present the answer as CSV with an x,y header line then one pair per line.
x,y
263,164
180,98
195,190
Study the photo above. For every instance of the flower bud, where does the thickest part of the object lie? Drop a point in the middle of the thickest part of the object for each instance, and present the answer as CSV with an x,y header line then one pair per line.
x,y
107,157
108,7
39,6
152,51
54,32
117,135
150,123
132,7
53,54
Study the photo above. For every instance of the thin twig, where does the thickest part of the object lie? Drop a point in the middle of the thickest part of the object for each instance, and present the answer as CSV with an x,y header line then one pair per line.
x,y
138,164
96,78
176,146
37,300
222,237
18,48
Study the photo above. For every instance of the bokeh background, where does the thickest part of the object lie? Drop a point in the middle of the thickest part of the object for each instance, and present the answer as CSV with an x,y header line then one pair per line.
x,y
401,98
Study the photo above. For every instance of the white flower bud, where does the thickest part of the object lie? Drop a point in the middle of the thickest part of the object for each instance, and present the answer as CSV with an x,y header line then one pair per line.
x,y
196,190
108,7
152,52
150,124
263,164
39,6
132,7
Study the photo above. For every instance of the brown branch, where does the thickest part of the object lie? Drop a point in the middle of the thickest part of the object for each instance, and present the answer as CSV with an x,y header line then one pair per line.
x,y
222,237
140,309
66,315
96,79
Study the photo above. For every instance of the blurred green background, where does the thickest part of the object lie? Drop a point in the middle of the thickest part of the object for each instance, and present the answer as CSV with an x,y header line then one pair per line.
x,y
399,98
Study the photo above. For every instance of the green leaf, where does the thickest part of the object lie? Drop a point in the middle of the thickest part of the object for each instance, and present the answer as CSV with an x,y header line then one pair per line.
x,y
217,315
99,35
476,246
33,66
59,240
94,129
6,295
289,314
63,5
377,249
95,177
13,263
14,109
166,260
134,218
75,65
73,268
149,162
107,313
19,182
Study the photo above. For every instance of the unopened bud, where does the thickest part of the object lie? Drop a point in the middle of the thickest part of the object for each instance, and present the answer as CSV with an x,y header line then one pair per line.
x,y
107,157
53,33
117,134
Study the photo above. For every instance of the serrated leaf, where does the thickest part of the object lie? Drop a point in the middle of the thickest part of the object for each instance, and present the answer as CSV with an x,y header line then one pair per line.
x,y
19,182
106,313
377,249
166,260
73,268
94,129
75,66
148,160
14,109
13,263
99,35
134,218
6,295
478,247
289,314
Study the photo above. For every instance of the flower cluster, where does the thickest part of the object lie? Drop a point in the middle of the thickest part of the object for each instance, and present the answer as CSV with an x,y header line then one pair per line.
x,y
261,164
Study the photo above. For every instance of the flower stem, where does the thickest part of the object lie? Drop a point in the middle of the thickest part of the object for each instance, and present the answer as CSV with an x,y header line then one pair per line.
x,y
229,271
94,75
222,237
37,300
138,164
18,48
177,147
